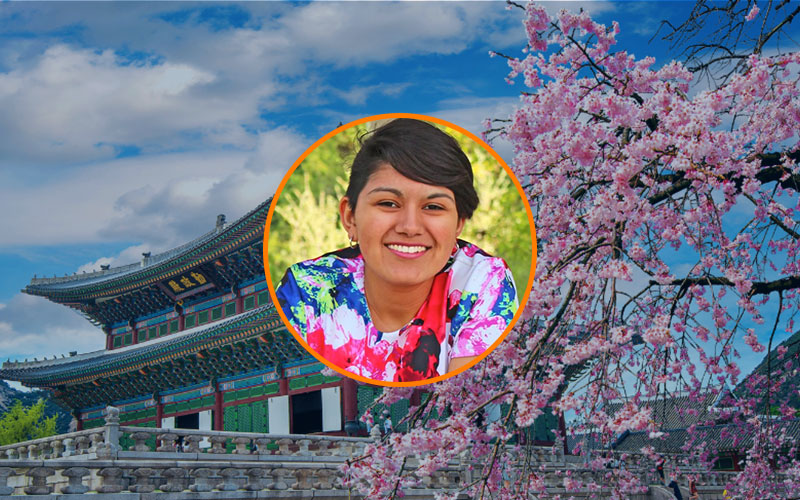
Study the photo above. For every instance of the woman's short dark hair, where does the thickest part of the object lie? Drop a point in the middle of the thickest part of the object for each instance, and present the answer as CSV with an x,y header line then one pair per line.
x,y
419,151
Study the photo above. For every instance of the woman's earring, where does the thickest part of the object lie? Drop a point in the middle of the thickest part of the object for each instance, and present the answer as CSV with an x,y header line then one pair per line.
x,y
353,242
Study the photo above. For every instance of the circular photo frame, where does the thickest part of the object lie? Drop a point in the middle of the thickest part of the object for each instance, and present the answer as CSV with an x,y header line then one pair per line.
x,y
395,247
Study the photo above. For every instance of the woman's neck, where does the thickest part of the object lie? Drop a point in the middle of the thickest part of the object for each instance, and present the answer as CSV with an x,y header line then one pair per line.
x,y
392,307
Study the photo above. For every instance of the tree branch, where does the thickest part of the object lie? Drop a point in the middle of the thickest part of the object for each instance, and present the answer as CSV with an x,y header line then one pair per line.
x,y
757,288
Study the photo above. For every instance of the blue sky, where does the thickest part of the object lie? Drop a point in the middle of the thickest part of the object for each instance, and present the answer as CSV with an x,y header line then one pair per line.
x,y
127,127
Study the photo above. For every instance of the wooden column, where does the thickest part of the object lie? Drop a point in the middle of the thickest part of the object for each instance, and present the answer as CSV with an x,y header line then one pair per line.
x,y
219,422
239,302
159,410
350,399
283,385
109,341
416,397
181,319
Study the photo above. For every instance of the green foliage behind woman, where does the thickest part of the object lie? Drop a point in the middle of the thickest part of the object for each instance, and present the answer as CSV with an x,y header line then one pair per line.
x,y
306,220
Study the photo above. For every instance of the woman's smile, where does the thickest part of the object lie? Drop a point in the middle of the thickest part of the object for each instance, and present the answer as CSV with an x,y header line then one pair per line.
x,y
407,251
406,230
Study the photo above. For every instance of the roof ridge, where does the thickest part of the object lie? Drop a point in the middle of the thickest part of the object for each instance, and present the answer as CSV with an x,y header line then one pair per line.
x,y
150,261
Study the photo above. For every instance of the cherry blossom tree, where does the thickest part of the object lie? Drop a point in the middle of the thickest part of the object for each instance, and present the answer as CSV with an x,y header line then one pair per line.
x,y
716,37
667,220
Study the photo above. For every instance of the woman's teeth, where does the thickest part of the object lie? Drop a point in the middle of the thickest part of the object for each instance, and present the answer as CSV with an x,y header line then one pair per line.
x,y
407,249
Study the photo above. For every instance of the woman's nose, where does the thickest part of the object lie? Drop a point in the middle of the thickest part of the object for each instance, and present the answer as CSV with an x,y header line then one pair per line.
x,y
408,222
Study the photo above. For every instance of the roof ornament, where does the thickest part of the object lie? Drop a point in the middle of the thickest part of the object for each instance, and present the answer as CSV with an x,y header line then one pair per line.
x,y
105,267
145,258
220,221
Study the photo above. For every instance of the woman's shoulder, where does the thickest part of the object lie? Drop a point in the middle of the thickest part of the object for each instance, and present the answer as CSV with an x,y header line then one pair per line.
x,y
329,266
473,264
312,282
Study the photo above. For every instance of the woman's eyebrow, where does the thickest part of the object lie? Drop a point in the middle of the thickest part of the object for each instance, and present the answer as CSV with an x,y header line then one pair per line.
x,y
440,195
394,191
399,193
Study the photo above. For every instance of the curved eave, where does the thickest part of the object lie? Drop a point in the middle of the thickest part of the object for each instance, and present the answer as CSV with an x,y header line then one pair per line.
x,y
106,284
91,366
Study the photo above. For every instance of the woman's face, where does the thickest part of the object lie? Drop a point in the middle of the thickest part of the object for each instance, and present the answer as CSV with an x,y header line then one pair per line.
x,y
406,229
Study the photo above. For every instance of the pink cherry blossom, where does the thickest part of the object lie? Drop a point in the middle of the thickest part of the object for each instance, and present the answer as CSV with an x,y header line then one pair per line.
x,y
667,245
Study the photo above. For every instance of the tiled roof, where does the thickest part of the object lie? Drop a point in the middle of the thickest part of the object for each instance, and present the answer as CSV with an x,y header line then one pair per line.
x,y
84,367
678,411
719,438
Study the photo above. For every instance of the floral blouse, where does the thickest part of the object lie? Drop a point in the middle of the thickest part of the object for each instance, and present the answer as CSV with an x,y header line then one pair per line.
x,y
470,304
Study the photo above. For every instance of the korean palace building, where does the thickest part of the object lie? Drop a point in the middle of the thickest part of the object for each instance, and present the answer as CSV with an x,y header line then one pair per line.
x,y
193,341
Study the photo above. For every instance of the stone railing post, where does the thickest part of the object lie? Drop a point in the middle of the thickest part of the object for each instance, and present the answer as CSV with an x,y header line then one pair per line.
x,y
279,479
283,446
175,480
81,445
143,483
229,481
167,441
302,479
303,447
69,447
112,480
39,484
261,446
75,475
97,439
241,445
11,453
453,479
203,480
324,448
5,489
218,444
140,441
57,449
191,443
323,479
104,451
33,451
255,479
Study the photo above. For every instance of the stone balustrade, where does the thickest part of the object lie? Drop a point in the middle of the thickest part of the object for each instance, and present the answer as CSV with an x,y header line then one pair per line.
x,y
61,446
104,443
181,463
186,441
50,477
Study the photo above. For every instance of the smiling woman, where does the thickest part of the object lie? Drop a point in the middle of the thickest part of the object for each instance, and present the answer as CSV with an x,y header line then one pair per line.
x,y
407,301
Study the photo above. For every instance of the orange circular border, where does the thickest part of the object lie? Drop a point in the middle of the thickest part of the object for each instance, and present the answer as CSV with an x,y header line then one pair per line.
x,y
522,302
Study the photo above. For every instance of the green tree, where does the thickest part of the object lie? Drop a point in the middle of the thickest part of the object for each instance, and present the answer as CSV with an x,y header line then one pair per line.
x,y
22,424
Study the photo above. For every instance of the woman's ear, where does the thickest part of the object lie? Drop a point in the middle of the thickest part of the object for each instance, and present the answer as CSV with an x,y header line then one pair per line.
x,y
460,226
347,216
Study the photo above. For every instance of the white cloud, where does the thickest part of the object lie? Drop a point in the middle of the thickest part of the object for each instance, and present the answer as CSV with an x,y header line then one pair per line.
x,y
188,86
470,114
113,197
35,327
276,150
78,104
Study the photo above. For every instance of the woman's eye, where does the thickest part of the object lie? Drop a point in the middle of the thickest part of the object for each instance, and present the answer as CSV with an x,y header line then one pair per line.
x,y
434,207
387,203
